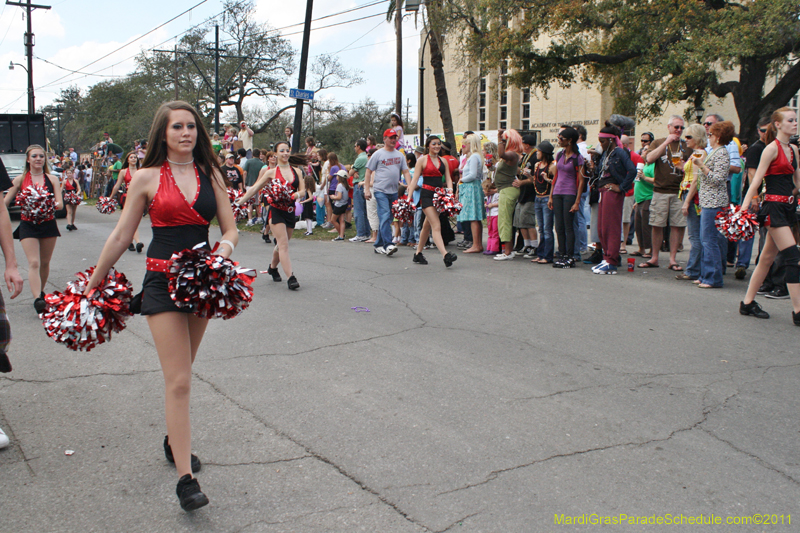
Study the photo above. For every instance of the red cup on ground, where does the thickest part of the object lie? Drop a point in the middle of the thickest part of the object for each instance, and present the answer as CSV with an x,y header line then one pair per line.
x,y
631,264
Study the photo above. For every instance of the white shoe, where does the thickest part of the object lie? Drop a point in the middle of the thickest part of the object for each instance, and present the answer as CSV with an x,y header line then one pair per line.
x,y
503,257
250,222
357,239
380,250
602,263
391,249
3,440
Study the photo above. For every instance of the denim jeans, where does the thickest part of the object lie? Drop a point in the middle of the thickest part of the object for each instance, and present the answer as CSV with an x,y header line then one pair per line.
x,y
360,211
715,248
384,204
696,253
544,219
745,252
579,224
419,220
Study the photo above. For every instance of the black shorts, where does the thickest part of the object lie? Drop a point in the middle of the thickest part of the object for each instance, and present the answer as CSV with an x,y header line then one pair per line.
x,y
340,209
425,198
29,230
777,215
279,216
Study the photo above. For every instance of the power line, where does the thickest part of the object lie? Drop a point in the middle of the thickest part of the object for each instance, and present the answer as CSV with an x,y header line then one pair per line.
x,y
130,43
337,24
354,42
76,72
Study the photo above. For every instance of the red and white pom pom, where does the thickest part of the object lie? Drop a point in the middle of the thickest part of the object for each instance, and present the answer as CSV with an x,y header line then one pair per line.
x,y
239,211
279,195
735,227
208,284
71,198
37,203
82,322
403,210
106,205
445,202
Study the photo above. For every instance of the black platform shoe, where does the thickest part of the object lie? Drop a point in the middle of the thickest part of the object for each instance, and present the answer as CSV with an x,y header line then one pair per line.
x,y
293,283
196,465
449,259
189,493
753,309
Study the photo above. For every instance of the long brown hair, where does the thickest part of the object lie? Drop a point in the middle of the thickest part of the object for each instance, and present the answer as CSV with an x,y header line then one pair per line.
x,y
127,156
203,152
772,131
295,160
27,163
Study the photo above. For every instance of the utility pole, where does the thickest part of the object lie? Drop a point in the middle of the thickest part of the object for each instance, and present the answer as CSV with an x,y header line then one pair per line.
x,y
408,108
176,72
216,78
58,128
301,83
398,26
29,49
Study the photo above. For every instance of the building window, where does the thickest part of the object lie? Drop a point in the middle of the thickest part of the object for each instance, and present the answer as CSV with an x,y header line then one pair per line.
x,y
503,96
526,125
503,113
794,103
503,125
526,108
482,104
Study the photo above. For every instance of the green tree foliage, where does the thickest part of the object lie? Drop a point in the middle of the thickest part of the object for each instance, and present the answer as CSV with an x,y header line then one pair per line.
x,y
669,50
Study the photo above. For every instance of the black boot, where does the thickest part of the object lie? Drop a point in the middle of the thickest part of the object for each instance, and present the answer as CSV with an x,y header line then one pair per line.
x,y
292,282
196,465
449,259
189,493
420,259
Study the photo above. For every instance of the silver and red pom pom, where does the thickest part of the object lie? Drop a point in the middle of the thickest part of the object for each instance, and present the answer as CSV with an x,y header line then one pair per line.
x,y
71,198
279,195
403,210
445,202
37,203
106,205
82,322
209,285
736,227
239,211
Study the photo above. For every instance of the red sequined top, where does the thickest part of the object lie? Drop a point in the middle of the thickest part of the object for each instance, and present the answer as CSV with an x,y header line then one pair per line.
x,y
780,165
169,207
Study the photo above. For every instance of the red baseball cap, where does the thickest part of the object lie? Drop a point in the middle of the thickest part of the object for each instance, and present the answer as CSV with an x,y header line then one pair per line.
x,y
390,133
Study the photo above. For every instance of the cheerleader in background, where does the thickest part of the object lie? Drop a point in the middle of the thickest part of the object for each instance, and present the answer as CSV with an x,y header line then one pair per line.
x,y
72,197
122,185
38,239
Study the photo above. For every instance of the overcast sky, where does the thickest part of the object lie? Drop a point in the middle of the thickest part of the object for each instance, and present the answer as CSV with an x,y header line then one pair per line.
x,y
76,34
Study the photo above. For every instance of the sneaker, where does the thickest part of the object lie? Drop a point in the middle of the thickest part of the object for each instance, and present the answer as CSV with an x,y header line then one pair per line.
x,y
779,293
420,259
131,247
531,253
464,244
39,304
189,493
391,249
308,233
428,246
608,268
603,263
274,273
380,250
139,247
766,288
334,240
196,465
250,223
595,259
558,261
3,439
449,259
293,283
327,225
258,220
503,257
740,273
753,309
358,239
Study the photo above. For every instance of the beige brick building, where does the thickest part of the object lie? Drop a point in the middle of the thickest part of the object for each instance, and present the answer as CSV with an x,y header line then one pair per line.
x,y
476,106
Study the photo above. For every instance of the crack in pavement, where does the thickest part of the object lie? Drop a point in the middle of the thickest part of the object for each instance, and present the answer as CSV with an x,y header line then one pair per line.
x,y
314,455
252,463
83,376
457,523
290,519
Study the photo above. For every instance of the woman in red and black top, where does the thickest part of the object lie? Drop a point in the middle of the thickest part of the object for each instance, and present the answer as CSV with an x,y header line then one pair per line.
x,y
779,170
38,240
181,183
71,185
122,185
434,172
281,222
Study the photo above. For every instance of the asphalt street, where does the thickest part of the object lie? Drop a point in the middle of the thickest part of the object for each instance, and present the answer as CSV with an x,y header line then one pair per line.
x,y
488,397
